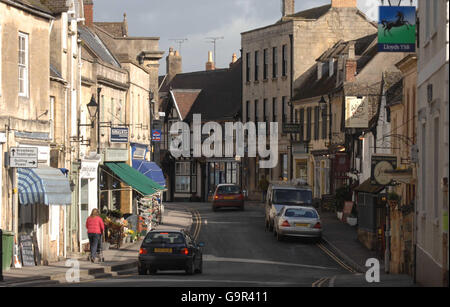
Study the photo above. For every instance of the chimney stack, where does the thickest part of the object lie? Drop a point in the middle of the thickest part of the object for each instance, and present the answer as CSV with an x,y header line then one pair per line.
x,y
234,59
288,7
210,64
343,3
173,64
350,64
88,13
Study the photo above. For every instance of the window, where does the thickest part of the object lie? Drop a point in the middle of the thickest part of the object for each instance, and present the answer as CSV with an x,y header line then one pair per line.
x,y
423,166
436,173
183,177
256,111
0,62
285,109
302,123
266,64
52,117
23,64
316,123
324,124
247,110
247,69
274,110
284,69
256,66
274,62
308,124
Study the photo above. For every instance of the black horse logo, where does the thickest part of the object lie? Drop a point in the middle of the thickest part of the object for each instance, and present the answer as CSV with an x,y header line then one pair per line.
x,y
400,22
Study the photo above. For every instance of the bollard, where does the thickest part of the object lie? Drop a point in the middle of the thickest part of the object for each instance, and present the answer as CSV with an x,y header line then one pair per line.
x,y
1,255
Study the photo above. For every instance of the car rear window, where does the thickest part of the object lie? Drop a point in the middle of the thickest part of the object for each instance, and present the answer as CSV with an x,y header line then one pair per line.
x,y
292,196
301,213
164,237
229,189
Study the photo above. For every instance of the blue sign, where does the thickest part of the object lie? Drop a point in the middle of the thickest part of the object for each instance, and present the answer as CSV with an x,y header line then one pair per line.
x,y
397,29
119,135
156,135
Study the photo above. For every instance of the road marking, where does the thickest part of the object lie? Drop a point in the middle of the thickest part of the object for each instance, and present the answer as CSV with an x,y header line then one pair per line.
x,y
335,258
212,258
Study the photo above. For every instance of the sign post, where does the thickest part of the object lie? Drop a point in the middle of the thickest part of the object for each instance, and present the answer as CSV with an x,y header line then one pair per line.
x,y
24,157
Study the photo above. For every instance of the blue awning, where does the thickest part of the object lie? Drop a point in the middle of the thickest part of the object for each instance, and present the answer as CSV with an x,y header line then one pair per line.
x,y
43,185
151,170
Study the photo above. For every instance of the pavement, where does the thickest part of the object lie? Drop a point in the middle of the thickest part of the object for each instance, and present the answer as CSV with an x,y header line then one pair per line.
x,y
117,262
341,239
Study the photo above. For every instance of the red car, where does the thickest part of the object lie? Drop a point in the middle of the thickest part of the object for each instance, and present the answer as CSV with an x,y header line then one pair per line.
x,y
229,196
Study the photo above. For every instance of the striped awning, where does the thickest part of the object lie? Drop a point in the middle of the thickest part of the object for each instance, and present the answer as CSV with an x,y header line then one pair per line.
x,y
43,185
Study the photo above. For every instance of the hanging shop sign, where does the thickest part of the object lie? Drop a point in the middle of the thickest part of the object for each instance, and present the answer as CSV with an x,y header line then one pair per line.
x,y
119,135
382,165
356,112
397,29
156,135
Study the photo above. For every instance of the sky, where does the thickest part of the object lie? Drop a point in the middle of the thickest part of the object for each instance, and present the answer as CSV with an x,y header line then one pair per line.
x,y
196,20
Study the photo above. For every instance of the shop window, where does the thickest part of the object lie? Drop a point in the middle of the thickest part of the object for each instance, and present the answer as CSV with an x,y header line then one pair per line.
x,y
183,177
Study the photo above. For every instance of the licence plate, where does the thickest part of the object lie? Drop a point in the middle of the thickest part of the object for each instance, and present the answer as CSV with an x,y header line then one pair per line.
x,y
228,197
301,225
162,250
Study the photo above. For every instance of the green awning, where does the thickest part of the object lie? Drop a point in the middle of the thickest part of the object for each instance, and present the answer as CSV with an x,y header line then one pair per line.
x,y
134,178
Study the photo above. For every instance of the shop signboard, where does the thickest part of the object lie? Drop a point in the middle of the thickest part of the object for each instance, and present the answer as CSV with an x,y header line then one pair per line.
x,y
292,128
119,135
397,29
356,112
116,155
381,166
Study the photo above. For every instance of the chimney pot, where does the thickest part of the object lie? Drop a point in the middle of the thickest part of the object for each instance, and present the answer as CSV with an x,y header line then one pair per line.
x,y
210,64
343,3
288,7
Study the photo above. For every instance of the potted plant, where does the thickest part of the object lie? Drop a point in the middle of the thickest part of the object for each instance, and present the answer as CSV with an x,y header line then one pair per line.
x,y
352,219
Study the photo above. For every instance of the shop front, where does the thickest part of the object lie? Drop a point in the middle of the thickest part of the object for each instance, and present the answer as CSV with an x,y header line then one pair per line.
x,y
44,193
222,171
88,193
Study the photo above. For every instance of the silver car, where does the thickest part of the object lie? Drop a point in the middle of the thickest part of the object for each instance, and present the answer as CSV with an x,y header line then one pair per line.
x,y
297,221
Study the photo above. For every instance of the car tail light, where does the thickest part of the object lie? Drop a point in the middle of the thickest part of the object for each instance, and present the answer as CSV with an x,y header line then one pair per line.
x,y
217,197
240,197
318,226
142,251
286,224
185,251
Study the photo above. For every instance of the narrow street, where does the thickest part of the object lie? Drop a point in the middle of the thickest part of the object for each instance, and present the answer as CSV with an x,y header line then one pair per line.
x,y
238,252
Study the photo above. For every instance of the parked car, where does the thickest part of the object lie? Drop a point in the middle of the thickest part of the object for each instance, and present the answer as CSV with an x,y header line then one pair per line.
x,y
228,195
170,250
297,221
280,195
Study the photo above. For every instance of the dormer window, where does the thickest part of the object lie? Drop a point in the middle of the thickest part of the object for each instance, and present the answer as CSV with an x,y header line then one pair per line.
x,y
319,70
331,67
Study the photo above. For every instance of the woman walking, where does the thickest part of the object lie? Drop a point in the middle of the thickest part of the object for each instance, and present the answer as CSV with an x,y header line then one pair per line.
x,y
95,228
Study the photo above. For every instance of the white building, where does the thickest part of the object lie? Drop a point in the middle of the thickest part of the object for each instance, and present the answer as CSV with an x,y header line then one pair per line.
x,y
432,116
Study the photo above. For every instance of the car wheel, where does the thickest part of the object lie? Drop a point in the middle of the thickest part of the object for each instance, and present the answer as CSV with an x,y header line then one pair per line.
x,y
190,268
279,237
152,271
270,226
142,271
200,267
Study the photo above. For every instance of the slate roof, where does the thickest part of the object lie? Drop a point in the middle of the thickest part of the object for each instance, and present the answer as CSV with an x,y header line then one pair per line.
x,y
219,92
97,46
116,29
394,95
34,4
314,13
365,50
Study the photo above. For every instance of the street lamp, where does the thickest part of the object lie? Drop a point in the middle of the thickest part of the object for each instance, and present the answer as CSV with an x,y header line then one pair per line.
x,y
92,107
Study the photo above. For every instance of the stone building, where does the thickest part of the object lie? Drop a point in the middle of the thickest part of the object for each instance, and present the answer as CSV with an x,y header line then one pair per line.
x,y
432,138
275,57
26,120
